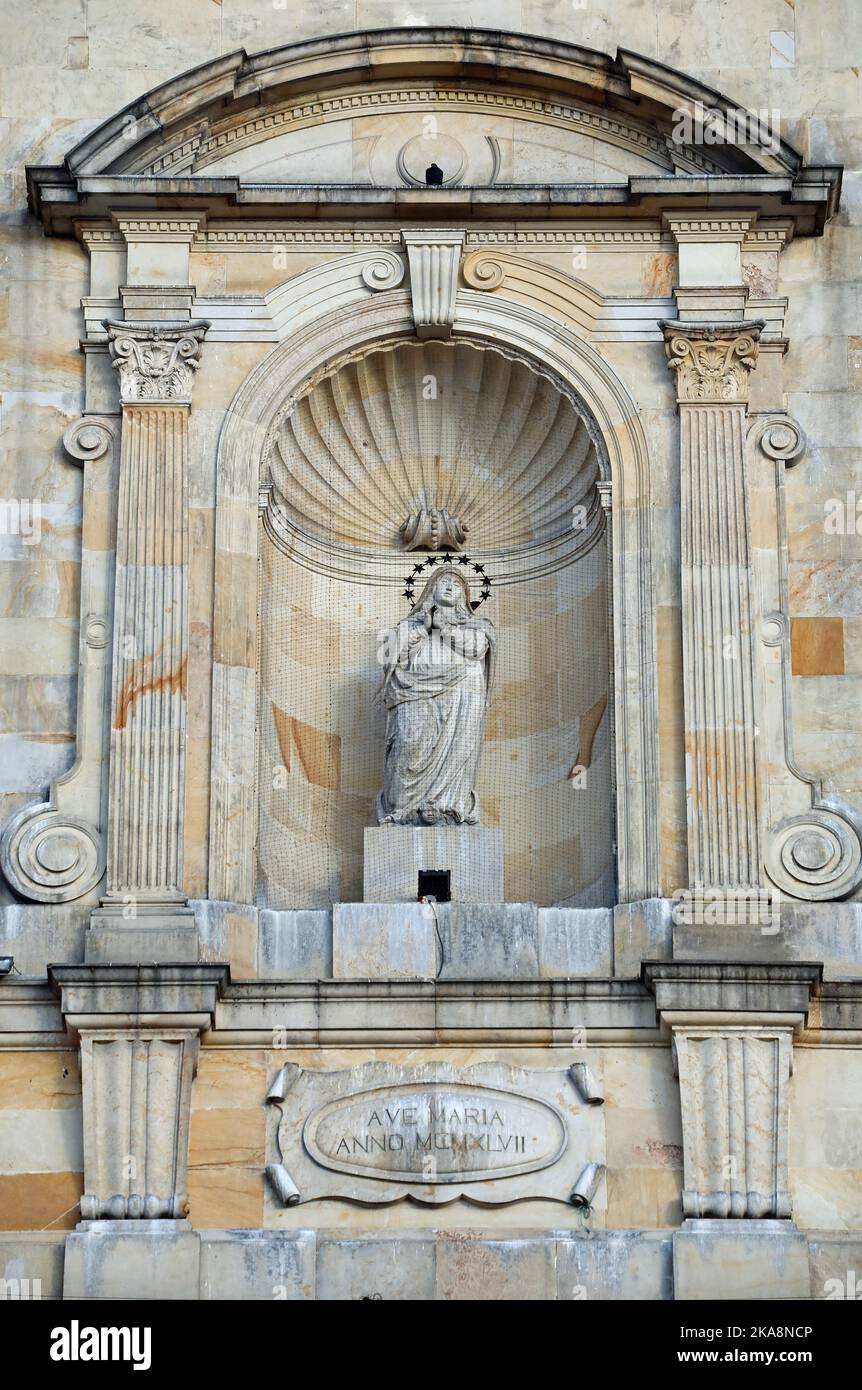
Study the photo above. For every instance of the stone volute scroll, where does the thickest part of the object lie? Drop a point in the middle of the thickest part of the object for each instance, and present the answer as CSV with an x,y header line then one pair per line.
x,y
438,673
813,839
54,851
383,271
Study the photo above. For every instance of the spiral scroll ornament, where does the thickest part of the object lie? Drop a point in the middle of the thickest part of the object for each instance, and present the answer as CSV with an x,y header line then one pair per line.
x,y
54,851
816,855
383,271
782,439
50,857
482,272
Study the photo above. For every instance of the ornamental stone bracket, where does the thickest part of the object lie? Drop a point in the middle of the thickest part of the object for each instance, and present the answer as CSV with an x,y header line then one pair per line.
x,y
434,258
812,840
139,1031
732,1028
54,851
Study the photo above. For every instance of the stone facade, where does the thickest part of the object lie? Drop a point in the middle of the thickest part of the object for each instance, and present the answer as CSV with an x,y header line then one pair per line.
x,y
610,365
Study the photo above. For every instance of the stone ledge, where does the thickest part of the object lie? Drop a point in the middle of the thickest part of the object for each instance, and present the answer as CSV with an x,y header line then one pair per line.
x,y
270,943
767,1259
731,988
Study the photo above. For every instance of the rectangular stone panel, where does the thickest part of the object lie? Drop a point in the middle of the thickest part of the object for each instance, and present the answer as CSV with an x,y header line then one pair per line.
x,y
740,1260
384,1131
396,854
383,940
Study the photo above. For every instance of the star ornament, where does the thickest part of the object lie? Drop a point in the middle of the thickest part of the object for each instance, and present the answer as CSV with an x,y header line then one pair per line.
x,y
482,576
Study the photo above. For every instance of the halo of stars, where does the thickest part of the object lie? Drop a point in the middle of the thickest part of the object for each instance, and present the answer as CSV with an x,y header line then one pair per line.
x,y
451,559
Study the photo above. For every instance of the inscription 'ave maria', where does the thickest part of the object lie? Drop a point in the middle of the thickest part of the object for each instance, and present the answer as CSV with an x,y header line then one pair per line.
x,y
448,1129
439,1132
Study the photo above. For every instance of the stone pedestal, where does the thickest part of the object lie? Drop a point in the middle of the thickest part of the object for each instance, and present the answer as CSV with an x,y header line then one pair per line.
x,y
393,941
740,1260
132,1260
459,941
396,854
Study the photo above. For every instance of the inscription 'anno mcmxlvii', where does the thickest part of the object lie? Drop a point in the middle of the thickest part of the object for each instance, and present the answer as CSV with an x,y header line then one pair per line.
x,y
436,1131
446,1130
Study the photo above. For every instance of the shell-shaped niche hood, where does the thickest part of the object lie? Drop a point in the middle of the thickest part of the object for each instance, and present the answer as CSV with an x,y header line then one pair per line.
x,y
444,429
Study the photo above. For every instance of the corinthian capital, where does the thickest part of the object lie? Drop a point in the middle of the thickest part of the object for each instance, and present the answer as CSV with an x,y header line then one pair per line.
x,y
156,362
712,361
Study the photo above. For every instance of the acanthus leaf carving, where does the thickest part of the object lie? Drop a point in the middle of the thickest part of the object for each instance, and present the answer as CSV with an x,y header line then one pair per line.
x,y
156,362
712,362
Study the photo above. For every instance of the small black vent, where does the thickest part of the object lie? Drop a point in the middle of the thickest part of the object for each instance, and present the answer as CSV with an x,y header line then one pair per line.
x,y
435,883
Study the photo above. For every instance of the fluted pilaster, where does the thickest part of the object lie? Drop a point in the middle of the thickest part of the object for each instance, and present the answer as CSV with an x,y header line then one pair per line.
x,y
148,712
712,365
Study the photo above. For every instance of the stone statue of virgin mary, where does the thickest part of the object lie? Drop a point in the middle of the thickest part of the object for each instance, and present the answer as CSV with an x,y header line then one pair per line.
x,y
436,688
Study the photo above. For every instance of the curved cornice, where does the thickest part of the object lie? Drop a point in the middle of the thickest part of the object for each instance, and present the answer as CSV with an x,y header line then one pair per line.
x,y
119,156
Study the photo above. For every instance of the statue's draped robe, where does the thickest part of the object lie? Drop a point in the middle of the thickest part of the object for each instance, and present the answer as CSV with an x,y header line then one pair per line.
x,y
436,694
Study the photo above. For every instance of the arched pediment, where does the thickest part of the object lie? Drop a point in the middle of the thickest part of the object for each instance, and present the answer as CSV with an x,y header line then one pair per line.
x,y
371,110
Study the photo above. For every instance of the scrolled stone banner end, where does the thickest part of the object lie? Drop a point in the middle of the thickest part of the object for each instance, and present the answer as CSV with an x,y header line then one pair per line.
x,y
483,272
283,1185
816,856
383,271
49,857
